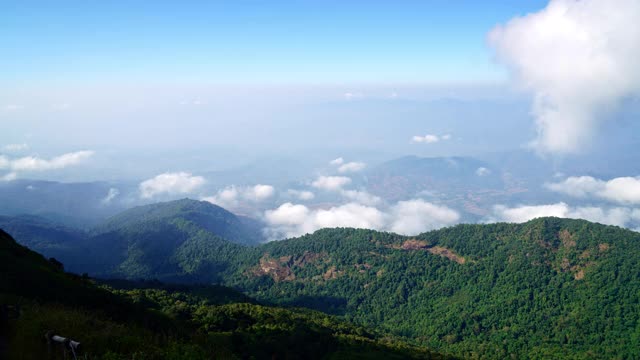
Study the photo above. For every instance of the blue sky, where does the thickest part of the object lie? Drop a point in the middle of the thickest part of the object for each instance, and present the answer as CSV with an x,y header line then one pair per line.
x,y
256,42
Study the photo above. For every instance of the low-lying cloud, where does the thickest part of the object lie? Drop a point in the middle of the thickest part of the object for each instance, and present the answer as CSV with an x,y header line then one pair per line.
x,y
170,184
33,163
619,216
232,196
405,217
578,59
623,190
351,167
304,195
331,183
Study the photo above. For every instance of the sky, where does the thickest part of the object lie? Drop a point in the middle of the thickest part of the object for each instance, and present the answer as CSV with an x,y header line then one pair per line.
x,y
168,94
133,80
251,42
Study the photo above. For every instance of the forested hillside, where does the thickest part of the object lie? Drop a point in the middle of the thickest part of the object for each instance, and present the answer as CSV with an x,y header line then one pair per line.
x,y
549,287
163,322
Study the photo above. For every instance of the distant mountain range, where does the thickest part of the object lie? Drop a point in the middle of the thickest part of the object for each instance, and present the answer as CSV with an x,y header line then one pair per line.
x,y
548,288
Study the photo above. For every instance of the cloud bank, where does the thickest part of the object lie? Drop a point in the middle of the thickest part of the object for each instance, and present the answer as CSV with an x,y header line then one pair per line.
x,y
171,184
623,190
619,216
405,217
32,163
232,196
579,59
331,183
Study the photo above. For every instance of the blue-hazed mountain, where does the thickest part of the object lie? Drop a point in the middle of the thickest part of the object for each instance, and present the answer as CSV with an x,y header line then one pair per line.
x,y
74,204
167,240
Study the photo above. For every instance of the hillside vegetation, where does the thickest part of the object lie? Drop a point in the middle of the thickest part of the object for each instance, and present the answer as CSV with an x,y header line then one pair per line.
x,y
547,288
160,322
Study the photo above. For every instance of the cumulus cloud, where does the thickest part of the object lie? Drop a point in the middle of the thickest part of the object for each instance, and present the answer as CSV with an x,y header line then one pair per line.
x,y
336,162
619,216
15,147
578,59
483,171
170,183
232,196
32,163
301,194
624,190
406,217
361,197
331,183
290,220
416,216
353,166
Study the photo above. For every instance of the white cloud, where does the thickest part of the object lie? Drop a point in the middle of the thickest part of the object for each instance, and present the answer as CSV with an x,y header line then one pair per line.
x,y
361,197
428,139
624,190
36,164
113,192
290,220
417,216
331,183
259,192
32,163
483,171
521,214
232,196
619,216
579,59
15,147
301,194
171,183
406,217
9,177
446,137
336,162
351,167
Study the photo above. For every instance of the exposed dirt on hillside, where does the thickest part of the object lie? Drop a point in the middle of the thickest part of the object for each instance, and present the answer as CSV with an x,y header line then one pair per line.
x,y
277,269
444,252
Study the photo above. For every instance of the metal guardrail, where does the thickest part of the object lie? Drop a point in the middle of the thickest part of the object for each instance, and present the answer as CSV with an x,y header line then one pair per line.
x,y
68,345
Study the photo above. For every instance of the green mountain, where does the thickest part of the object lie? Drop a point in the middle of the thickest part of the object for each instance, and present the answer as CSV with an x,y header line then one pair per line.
x,y
173,241
159,322
209,217
66,244
547,288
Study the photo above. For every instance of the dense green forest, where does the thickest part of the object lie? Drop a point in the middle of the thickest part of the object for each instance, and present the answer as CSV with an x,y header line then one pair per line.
x,y
548,288
125,320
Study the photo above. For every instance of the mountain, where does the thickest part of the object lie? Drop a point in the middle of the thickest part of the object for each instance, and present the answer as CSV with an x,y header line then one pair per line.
x,y
207,216
37,296
73,204
551,287
63,243
176,240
